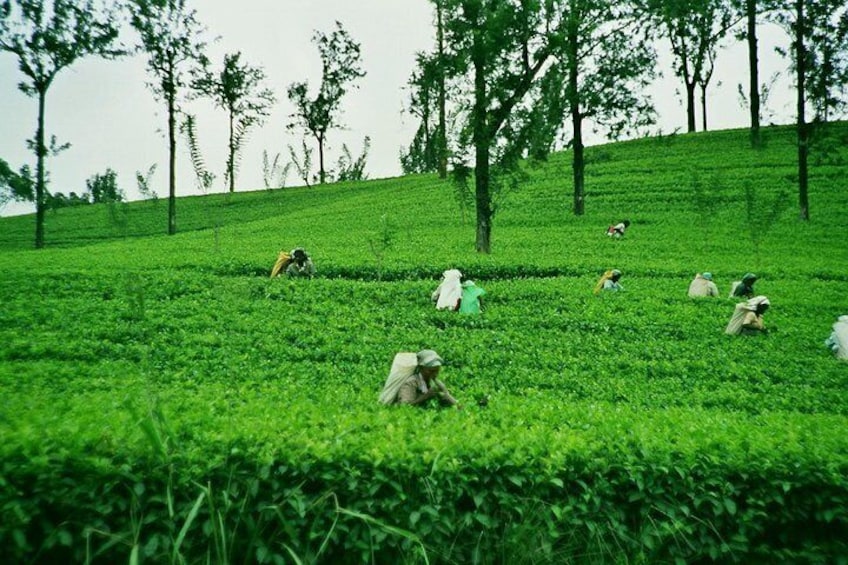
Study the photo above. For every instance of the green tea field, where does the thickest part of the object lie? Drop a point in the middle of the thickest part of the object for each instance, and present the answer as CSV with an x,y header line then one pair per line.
x,y
162,400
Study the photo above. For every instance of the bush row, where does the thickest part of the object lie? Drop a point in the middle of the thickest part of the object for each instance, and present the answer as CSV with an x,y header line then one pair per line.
x,y
635,506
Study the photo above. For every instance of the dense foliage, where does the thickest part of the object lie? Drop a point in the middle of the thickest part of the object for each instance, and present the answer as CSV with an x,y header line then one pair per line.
x,y
164,400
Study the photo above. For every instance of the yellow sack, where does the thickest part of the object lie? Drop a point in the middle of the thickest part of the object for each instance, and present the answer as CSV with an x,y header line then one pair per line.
x,y
283,261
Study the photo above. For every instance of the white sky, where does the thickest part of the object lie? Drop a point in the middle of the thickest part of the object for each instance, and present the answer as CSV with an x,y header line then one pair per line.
x,y
112,120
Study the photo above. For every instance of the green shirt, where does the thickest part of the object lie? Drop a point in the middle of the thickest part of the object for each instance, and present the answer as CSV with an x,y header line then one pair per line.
x,y
471,299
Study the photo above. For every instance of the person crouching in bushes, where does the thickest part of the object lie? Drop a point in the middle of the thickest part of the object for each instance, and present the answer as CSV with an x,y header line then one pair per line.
x,y
284,259
747,317
448,294
745,287
413,379
472,301
301,264
609,282
702,285
838,340
617,231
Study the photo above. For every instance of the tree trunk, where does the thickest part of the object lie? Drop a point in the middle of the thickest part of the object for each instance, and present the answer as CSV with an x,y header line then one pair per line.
x,y
578,163
481,146
172,164
803,137
232,157
41,153
690,106
442,140
753,66
321,173
703,107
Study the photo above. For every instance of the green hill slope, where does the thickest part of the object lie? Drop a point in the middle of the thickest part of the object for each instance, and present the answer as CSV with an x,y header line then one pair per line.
x,y
163,398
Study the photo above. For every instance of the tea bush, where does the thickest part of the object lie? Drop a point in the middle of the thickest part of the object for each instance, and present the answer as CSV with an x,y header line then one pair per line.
x,y
164,400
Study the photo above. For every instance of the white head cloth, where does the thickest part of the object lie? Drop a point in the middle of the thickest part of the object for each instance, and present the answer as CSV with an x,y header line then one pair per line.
x,y
450,290
403,367
734,327
840,335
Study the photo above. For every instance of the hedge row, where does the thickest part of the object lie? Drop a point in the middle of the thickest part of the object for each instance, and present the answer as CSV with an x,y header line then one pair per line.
x,y
615,507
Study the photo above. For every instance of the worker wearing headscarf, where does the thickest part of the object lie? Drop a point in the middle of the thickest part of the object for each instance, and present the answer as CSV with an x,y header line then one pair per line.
x,y
618,229
413,379
748,317
745,287
609,282
702,285
472,302
449,292
284,259
838,340
301,264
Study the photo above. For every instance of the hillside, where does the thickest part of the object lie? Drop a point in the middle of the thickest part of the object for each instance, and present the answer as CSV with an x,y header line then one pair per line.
x,y
651,181
162,397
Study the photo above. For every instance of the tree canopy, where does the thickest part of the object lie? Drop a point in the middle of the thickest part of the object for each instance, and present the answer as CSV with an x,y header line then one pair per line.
x,y
47,37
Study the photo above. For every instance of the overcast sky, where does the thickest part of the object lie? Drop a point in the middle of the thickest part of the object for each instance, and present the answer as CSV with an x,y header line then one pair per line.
x,y
112,120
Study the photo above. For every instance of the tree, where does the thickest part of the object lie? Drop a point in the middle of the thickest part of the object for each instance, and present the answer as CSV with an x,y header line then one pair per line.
x,y
170,37
693,28
423,154
503,45
104,188
441,86
237,88
819,51
828,59
605,64
15,186
143,182
749,10
48,36
340,67
753,68
350,168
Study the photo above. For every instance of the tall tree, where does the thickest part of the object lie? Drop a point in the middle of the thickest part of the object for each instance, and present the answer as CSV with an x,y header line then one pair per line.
x,y
423,155
749,10
170,37
606,65
48,36
238,89
693,28
340,67
753,68
704,78
503,45
828,53
818,30
800,51
441,86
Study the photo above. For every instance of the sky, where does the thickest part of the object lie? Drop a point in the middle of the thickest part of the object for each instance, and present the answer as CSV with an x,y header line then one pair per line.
x,y
110,118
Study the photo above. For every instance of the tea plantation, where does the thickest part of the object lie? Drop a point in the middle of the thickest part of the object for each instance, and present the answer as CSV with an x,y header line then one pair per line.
x,y
163,400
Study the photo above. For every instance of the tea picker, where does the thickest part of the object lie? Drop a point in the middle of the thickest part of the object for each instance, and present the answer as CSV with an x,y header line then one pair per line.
x,y
472,301
617,231
413,379
747,317
296,263
448,294
702,285
838,340
609,282
301,264
745,287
